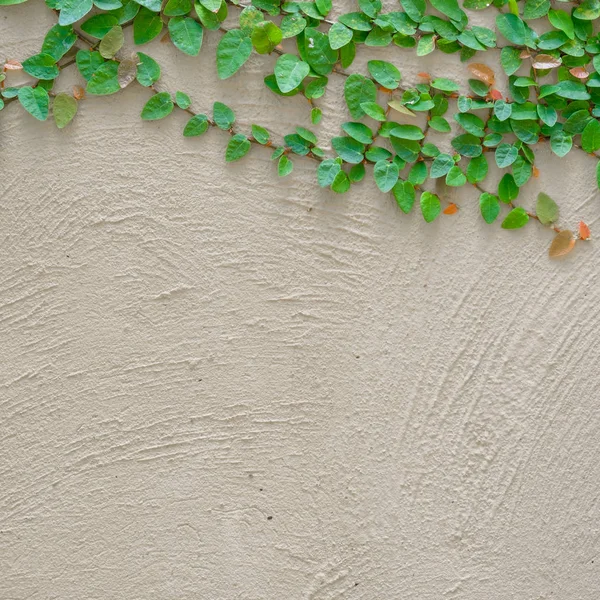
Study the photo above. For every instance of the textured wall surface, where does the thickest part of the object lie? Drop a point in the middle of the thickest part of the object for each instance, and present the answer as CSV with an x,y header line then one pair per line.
x,y
219,385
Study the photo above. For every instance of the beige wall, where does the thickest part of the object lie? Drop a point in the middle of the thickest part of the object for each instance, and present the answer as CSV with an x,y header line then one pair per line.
x,y
219,385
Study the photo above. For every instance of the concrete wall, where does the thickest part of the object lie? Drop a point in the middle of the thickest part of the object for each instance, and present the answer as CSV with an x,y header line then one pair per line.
x,y
218,385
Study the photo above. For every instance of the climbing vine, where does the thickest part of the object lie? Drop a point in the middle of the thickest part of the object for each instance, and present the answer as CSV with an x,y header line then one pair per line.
x,y
552,95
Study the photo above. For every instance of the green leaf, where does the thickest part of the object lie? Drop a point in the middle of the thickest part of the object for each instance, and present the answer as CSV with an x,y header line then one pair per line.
x,y
384,73
35,101
506,154
515,219
489,207
373,110
418,173
512,28
441,165
158,107
471,123
104,80
357,173
359,131
148,70
341,183
88,62
290,71
508,190
58,41
211,5
415,9
99,25
562,21
534,9
407,132
41,66
404,193
386,175
561,142
590,138
177,8
239,145
357,90
455,177
327,171
477,169
292,25
426,44
546,209
223,116
64,108
182,100
348,149
285,166
146,26
186,34
260,134
440,124
153,5
510,58
266,36
234,49
467,145
196,126
449,8
445,85
430,206
339,35
317,51
73,10
112,42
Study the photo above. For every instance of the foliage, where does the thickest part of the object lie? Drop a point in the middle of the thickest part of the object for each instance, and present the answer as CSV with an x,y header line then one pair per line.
x,y
553,95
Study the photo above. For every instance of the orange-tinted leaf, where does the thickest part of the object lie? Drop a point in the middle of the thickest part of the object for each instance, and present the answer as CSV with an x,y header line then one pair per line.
x,y
482,72
525,54
424,75
579,72
451,209
584,231
12,65
562,244
78,92
545,61
535,171
496,94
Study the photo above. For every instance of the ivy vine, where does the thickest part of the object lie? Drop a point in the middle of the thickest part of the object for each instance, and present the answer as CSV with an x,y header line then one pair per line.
x,y
553,88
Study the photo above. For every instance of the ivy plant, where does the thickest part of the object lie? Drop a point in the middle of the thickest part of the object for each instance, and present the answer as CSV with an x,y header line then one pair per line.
x,y
549,54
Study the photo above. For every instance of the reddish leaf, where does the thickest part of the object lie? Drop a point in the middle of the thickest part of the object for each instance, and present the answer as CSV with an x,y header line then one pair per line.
x,y
584,231
482,72
12,65
545,61
496,95
536,172
424,75
579,72
78,92
451,209
562,244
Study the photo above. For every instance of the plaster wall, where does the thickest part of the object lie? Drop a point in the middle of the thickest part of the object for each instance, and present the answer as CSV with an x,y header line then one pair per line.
x,y
216,384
